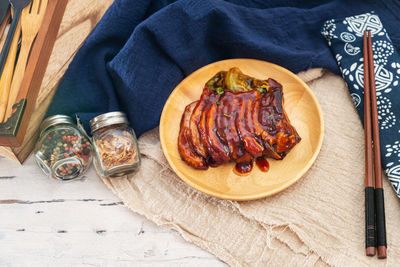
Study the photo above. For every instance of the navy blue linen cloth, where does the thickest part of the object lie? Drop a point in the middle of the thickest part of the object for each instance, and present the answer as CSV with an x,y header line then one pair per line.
x,y
140,50
345,37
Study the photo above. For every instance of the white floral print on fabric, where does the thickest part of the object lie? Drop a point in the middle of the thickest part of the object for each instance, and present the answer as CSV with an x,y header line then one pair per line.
x,y
345,38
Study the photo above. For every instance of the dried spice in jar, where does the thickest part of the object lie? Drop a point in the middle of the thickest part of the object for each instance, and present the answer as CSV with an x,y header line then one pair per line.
x,y
115,145
62,151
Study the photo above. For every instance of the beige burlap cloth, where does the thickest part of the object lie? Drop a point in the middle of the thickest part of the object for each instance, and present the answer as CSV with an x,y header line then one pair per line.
x,y
317,221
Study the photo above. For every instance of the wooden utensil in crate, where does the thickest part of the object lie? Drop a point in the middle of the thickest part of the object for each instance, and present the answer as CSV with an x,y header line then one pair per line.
x,y
31,20
4,26
8,68
4,18
18,6
13,128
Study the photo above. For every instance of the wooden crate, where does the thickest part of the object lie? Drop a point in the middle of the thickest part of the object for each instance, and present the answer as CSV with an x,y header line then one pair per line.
x,y
79,19
13,130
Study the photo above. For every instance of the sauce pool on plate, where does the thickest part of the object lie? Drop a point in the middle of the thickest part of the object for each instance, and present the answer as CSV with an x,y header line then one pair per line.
x,y
262,164
245,168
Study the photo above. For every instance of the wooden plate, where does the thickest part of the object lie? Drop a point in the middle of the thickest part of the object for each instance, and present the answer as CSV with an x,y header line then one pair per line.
x,y
221,182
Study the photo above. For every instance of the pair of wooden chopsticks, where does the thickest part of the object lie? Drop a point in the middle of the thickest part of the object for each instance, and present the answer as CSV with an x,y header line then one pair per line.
x,y
375,226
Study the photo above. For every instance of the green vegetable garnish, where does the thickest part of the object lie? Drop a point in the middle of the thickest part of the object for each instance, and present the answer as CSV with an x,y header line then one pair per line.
x,y
219,90
261,90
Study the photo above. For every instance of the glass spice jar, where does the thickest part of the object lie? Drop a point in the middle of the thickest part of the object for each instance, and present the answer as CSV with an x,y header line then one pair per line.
x,y
115,145
62,151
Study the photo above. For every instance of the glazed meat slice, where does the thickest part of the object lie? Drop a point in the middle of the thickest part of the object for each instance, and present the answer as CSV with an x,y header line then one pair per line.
x,y
226,123
220,151
227,111
258,130
195,121
185,146
275,120
262,133
250,143
216,155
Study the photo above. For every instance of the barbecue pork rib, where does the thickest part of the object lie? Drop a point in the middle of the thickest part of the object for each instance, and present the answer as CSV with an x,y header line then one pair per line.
x,y
238,118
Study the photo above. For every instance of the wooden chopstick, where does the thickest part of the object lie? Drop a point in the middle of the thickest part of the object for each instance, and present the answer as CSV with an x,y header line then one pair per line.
x,y
370,234
379,198
375,226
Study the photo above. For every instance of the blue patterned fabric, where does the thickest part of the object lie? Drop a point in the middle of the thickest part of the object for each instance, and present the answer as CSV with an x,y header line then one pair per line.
x,y
345,37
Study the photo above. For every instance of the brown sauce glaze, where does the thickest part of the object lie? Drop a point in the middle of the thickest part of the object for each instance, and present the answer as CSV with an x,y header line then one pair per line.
x,y
243,168
241,123
214,158
194,121
262,164
185,146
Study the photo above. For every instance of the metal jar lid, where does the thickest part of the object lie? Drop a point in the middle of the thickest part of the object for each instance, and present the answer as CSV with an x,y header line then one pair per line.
x,y
55,120
107,119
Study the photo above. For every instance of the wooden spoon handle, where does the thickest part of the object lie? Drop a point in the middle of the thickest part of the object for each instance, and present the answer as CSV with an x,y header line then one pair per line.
x,y
3,27
8,70
18,76
14,24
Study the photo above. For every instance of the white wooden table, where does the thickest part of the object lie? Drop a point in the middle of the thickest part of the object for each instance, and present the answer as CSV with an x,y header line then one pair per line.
x,y
45,222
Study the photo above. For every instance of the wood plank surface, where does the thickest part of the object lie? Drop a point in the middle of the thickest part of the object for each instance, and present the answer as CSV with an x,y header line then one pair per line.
x,y
45,222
